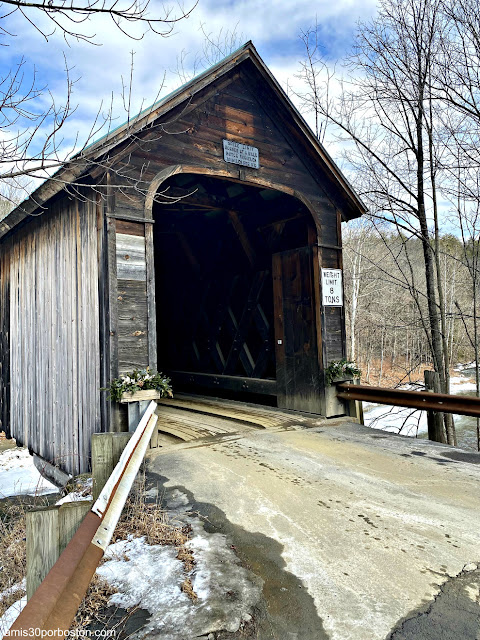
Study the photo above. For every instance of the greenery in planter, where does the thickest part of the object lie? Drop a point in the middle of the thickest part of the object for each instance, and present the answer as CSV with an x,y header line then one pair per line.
x,y
341,369
140,380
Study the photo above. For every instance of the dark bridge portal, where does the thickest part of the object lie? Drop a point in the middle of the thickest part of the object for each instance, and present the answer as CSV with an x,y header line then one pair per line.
x,y
219,321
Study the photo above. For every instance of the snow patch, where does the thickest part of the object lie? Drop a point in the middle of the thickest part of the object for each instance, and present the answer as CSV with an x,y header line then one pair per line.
x,y
146,575
151,576
74,496
20,586
10,615
460,384
408,422
461,367
19,476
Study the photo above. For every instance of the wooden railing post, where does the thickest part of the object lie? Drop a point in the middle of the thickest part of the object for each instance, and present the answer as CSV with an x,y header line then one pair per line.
x,y
436,431
106,451
49,530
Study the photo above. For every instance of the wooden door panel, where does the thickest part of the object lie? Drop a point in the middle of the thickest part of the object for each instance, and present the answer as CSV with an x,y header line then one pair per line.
x,y
296,344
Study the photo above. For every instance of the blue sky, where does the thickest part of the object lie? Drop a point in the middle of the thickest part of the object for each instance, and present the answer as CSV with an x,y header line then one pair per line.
x,y
273,26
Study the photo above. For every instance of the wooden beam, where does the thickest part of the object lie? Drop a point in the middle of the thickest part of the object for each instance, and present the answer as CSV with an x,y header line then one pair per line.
x,y
228,383
130,218
283,220
242,236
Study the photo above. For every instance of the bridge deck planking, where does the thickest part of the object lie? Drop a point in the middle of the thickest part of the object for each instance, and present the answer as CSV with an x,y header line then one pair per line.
x,y
260,417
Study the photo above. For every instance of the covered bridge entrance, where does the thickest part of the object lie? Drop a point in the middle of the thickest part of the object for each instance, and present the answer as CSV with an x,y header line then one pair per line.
x,y
192,239
239,263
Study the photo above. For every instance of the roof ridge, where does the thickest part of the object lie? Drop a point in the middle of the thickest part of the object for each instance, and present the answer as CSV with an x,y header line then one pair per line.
x,y
158,103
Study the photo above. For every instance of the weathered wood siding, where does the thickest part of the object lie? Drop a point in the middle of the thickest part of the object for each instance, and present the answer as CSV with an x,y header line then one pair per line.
x,y
239,107
5,340
54,333
132,296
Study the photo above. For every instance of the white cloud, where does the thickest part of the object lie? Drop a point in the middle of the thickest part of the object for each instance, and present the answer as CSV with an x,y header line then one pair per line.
x,y
273,26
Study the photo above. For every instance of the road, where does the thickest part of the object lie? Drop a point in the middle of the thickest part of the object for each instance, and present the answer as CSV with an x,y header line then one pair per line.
x,y
356,534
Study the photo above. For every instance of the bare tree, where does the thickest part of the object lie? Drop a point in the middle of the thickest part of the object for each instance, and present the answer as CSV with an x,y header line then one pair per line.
x,y
68,16
316,77
33,121
388,115
215,47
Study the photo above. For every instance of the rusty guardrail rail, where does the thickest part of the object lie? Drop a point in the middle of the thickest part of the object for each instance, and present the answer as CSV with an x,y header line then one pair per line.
x,y
443,402
51,609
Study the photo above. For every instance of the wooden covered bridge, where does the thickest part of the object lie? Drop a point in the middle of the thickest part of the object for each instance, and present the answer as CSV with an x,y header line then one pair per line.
x,y
193,239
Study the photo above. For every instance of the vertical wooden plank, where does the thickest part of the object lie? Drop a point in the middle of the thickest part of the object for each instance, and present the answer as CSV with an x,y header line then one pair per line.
x,y
102,461
340,266
92,338
59,416
103,306
279,330
151,306
79,350
112,300
39,361
5,259
70,515
317,300
26,338
119,442
42,545
14,340
106,451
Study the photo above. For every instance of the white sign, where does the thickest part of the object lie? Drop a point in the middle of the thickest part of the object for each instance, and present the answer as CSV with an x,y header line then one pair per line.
x,y
332,291
241,154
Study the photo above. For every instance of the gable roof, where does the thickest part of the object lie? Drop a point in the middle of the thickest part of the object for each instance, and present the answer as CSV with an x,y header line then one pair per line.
x,y
79,164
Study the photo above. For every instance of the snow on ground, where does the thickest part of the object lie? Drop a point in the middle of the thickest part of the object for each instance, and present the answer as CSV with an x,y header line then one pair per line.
x,y
402,420
74,496
83,491
151,577
410,422
18,475
10,615
460,384
20,586
461,367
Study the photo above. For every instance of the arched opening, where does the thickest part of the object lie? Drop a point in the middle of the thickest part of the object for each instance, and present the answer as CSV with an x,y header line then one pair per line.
x,y
235,288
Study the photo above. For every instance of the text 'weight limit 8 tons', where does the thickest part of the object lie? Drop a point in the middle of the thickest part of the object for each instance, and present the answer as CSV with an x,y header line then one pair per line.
x,y
332,290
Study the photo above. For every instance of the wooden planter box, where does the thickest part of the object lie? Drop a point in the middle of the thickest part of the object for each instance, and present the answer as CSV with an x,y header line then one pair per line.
x,y
141,396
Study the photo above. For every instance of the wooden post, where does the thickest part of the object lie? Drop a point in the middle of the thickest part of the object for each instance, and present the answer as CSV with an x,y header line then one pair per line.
x,y
49,530
335,406
355,408
106,451
436,431
135,413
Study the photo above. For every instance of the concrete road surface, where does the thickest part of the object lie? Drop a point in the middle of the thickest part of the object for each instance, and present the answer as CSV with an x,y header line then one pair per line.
x,y
357,534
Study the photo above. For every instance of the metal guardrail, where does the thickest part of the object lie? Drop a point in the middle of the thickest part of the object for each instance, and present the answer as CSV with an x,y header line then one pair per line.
x,y
52,608
443,402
